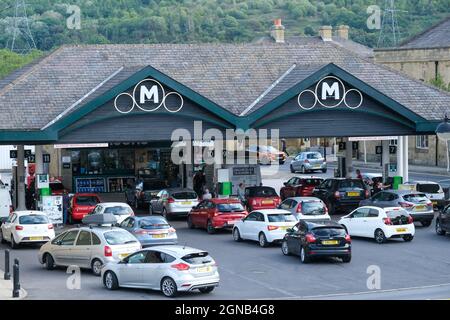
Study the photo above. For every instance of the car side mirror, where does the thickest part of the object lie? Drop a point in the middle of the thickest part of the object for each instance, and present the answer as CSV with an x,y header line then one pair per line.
x,y
59,242
285,184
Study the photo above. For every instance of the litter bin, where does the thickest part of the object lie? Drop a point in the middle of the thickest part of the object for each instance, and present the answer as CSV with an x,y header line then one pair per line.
x,y
396,181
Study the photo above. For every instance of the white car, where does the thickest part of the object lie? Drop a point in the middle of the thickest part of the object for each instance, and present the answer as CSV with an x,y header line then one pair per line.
x,y
120,210
379,223
88,247
171,269
26,227
265,226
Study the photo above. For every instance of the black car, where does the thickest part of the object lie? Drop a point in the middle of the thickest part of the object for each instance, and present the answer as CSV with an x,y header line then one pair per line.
x,y
443,221
341,193
317,238
141,195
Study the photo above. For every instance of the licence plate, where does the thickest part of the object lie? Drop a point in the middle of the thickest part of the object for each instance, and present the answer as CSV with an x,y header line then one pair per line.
x,y
284,228
330,242
36,238
420,208
434,202
186,202
267,202
401,229
231,222
123,255
204,269
158,235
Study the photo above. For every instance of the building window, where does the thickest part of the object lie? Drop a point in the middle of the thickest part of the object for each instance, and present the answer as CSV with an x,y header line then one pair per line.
x,y
422,142
393,142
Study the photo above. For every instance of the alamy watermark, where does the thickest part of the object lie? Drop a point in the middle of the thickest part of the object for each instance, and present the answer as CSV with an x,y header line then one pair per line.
x,y
73,22
374,280
374,20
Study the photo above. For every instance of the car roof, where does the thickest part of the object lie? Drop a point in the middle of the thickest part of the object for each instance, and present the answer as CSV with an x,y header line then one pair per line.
x,y
94,228
370,174
28,212
272,211
178,189
298,199
225,200
421,182
111,204
175,249
306,177
403,192
85,195
256,187
321,223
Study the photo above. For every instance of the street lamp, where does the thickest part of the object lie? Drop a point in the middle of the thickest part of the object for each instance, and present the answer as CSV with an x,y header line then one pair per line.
x,y
443,133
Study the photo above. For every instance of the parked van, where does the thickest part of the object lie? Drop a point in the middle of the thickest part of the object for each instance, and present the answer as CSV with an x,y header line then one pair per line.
x,y
5,204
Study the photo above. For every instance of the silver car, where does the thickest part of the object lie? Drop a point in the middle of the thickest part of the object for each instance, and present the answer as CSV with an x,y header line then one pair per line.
x,y
88,247
307,162
415,203
173,202
170,269
306,208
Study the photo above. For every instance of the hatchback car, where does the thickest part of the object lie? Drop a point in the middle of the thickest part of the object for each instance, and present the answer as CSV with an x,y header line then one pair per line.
x,y
81,204
170,269
341,193
306,208
299,187
120,210
264,226
88,247
318,238
307,162
432,190
173,202
216,214
379,223
443,221
262,197
416,203
26,227
150,231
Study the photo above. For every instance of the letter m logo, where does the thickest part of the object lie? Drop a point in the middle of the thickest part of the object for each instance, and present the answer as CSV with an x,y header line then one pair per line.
x,y
328,91
149,95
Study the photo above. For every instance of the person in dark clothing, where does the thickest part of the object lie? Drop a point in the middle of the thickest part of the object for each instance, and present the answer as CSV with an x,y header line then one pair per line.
x,y
283,147
199,182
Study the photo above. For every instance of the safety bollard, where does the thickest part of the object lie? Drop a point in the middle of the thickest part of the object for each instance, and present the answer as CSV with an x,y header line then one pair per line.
x,y
7,275
16,283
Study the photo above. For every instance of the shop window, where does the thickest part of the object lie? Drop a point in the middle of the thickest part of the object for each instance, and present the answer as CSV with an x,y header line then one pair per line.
x,y
422,142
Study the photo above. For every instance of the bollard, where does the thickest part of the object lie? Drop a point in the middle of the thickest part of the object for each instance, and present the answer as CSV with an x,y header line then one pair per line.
x,y
16,283
7,275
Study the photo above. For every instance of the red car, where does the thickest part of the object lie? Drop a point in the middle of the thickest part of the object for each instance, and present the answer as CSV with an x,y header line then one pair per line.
x,y
216,214
57,188
299,187
258,198
82,204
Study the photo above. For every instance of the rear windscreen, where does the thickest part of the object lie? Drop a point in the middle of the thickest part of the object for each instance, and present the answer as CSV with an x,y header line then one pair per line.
x,y
56,186
328,232
311,182
118,210
416,197
153,223
33,219
428,187
314,156
87,200
357,183
396,213
184,195
229,207
197,258
119,237
283,217
313,208
262,192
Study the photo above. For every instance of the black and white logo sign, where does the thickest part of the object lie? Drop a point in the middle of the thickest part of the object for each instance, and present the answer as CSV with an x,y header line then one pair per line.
x,y
330,92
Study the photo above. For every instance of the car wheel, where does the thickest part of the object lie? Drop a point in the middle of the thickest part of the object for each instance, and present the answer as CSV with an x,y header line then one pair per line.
x,y
380,236
408,237
49,261
285,248
263,240
96,267
304,258
210,228
292,169
426,223
110,281
189,223
2,240
303,170
347,259
206,289
236,235
169,287
14,245
324,170
439,229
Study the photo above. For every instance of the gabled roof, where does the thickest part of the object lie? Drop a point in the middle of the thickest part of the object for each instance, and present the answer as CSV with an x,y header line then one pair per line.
x,y
438,36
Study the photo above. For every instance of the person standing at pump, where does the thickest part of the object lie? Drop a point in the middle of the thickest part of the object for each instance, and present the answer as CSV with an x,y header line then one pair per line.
x,y
283,147
358,174
241,193
199,182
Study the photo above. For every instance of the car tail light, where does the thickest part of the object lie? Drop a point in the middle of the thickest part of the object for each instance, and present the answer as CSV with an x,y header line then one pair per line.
x,y
11,209
387,221
337,195
325,208
107,251
306,161
367,194
50,226
406,204
19,228
180,266
410,220
132,213
299,208
216,212
170,200
310,238
253,202
140,231
271,228
348,238
172,230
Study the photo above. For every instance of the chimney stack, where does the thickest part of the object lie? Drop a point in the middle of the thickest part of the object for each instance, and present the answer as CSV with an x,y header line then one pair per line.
x,y
326,33
277,31
342,32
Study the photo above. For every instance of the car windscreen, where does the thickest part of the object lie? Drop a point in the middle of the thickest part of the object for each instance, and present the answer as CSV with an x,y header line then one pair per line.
x,y
183,195
229,207
328,232
313,156
313,208
310,182
153,223
415,197
428,187
351,184
118,237
33,219
56,186
118,210
281,217
87,200
262,192
198,258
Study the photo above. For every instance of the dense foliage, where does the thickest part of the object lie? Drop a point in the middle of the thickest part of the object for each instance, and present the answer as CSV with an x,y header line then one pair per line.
x,y
9,61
